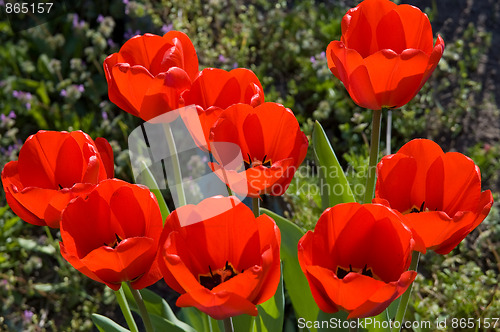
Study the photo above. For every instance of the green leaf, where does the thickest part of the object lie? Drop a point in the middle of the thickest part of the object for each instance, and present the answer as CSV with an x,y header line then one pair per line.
x,y
271,312
334,186
150,182
160,312
295,281
194,317
104,324
244,323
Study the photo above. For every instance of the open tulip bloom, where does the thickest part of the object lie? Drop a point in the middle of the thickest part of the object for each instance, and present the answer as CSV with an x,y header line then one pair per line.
x,y
385,54
52,169
220,258
439,193
269,140
112,234
357,258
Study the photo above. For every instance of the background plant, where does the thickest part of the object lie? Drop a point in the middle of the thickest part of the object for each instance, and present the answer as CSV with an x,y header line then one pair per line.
x,y
51,77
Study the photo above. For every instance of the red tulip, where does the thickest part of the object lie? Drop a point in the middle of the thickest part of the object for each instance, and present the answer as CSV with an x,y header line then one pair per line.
x,y
52,169
356,259
220,258
271,143
112,234
439,193
149,73
385,54
215,90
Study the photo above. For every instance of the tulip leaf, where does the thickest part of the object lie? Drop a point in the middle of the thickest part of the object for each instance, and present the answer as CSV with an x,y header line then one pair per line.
x,y
334,186
160,312
105,324
150,182
244,323
197,319
295,281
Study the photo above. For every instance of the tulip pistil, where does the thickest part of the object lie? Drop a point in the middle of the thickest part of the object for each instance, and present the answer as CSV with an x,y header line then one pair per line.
x,y
341,272
217,277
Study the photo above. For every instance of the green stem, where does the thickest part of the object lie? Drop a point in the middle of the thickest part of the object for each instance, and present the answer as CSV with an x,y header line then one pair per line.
x,y
256,206
228,325
142,309
374,144
49,234
181,196
400,314
120,298
55,244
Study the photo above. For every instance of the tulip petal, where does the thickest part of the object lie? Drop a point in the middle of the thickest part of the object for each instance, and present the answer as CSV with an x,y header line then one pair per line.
x,y
163,94
396,78
453,184
359,25
384,296
132,83
128,261
397,172
69,164
218,306
189,58
418,34
106,153
37,162
142,50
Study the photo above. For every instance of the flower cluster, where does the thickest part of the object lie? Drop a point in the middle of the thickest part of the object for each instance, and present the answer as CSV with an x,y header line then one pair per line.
x,y
219,255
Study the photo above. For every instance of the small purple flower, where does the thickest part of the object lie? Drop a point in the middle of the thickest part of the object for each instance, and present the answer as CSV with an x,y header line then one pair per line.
x,y
63,93
2,3
77,24
15,94
222,58
322,55
2,118
166,28
129,33
125,2
104,115
28,95
81,88
235,65
100,18
28,106
27,315
12,114
313,60
111,43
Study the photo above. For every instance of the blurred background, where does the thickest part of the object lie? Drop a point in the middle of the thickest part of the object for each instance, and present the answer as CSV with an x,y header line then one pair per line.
x,y
51,77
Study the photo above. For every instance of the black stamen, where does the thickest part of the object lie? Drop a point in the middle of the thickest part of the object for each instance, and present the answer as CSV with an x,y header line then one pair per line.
x,y
210,271
415,210
60,187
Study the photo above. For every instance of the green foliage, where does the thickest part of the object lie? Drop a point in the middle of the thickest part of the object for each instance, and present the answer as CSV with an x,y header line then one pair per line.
x,y
52,78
